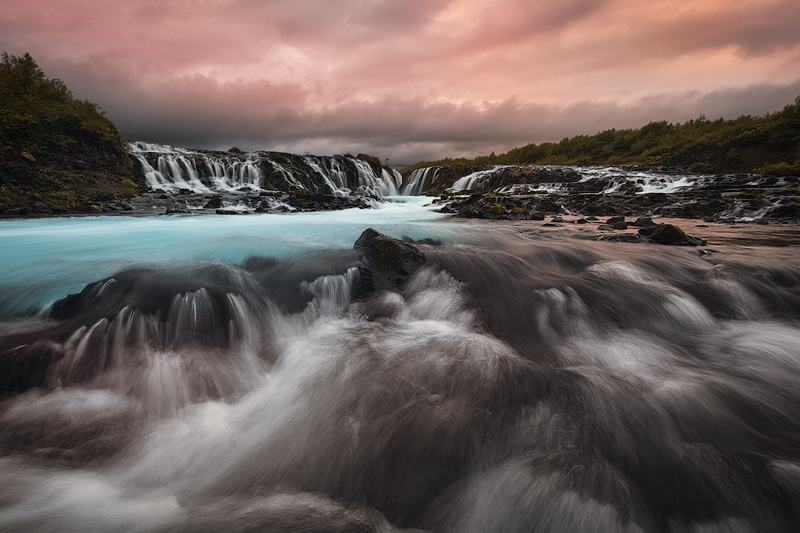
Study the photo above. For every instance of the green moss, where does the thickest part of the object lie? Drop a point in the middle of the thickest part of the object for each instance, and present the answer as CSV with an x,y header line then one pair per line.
x,y
518,211
387,253
130,185
495,209
680,232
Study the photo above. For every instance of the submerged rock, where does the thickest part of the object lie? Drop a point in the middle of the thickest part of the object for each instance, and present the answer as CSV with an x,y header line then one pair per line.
x,y
386,263
620,237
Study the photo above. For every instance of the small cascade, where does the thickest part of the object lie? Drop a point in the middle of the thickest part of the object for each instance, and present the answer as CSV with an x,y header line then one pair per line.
x,y
169,360
472,181
392,181
338,174
345,175
287,176
419,181
332,294
334,177
368,182
643,182
234,174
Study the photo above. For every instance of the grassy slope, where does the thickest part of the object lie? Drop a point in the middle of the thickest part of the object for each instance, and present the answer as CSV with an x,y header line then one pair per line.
x,y
764,145
54,148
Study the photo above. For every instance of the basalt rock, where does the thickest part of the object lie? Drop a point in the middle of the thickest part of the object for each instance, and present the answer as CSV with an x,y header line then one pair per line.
x,y
215,202
617,223
672,235
643,222
386,263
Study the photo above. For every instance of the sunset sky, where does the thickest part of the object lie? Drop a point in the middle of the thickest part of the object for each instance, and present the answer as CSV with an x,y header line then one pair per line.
x,y
408,79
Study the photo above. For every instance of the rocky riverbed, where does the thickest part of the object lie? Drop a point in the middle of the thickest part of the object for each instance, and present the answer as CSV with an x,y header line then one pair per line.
x,y
533,192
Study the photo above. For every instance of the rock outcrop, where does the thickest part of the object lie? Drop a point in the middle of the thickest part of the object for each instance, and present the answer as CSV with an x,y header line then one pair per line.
x,y
386,263
670,234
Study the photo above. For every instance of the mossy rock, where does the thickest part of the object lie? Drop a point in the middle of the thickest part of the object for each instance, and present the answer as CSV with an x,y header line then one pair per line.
x,y
671,235
494,209
387,253
386,263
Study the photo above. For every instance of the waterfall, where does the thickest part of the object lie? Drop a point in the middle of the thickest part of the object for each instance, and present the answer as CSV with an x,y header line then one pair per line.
x,y
472,181
170,169
334,177
391,182
419,181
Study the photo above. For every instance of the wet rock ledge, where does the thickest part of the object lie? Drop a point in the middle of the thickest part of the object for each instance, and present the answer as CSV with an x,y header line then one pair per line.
x,y
386,263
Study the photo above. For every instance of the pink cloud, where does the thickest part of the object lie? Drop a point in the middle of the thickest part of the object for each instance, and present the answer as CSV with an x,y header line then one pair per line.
x,y
406,75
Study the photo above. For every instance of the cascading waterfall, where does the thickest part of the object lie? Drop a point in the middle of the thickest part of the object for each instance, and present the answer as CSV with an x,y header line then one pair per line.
x,y
392,182
471,181
171,169
419,181
177,170
334,178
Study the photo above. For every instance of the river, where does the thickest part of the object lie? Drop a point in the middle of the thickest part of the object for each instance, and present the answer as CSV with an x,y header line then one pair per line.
x,y
216,375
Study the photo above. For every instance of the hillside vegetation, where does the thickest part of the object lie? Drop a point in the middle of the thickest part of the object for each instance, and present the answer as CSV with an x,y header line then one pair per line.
x,y
56,152
763,145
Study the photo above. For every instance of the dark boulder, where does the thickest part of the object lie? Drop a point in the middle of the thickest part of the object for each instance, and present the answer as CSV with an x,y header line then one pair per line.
x,y
617,223
672,235
494,212
386,263
643,222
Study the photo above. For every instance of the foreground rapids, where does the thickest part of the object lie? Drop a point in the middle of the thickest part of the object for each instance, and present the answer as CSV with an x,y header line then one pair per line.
x,y
507,384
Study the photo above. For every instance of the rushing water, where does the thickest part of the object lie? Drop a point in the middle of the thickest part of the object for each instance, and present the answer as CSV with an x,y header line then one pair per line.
x,y
219,377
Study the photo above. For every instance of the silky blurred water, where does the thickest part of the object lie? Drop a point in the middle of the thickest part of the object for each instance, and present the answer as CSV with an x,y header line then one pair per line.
x,y
215,373
46,259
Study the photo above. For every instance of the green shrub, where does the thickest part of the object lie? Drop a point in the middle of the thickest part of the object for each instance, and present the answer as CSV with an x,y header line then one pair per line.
x,y
768,144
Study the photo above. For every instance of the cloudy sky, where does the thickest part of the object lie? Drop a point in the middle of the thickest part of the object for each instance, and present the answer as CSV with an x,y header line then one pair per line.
x,y
408,79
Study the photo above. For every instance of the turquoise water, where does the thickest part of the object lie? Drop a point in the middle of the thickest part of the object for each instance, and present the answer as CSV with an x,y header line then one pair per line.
x,y
46,259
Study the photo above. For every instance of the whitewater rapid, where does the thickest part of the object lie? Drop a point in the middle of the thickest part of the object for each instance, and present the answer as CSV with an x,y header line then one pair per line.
x,y
216,373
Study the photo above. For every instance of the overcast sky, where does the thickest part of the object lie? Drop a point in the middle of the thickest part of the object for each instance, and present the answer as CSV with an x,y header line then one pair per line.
x,y
408,79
